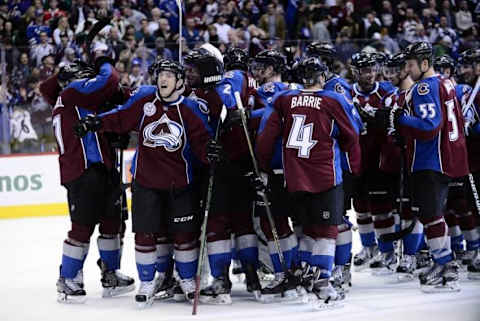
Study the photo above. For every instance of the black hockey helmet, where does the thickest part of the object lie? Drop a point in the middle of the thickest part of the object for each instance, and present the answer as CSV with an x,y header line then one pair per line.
x,y
75,70
364,59
323,50
310,69
419,50
397,60
271,57
444,61
381,58
166,65
235,58
209,67
469,56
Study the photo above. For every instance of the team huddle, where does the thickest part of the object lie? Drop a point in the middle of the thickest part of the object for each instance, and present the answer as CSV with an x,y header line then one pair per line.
x,y
234,154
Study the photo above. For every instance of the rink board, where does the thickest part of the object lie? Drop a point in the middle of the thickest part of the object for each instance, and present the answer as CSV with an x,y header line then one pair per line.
x,y
30,185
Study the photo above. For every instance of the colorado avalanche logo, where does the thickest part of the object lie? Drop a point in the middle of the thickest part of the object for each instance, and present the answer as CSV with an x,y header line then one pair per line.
x,y
423,89
163,132
339,88
269,87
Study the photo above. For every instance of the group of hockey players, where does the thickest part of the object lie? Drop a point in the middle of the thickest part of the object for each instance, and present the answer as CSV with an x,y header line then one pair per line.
x,y
272,164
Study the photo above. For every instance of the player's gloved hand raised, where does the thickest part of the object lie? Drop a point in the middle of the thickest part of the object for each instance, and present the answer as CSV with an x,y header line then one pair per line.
x,y
214,151
90,123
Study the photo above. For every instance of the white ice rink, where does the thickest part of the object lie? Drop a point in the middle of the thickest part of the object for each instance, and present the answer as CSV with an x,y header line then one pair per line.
x,y
31,253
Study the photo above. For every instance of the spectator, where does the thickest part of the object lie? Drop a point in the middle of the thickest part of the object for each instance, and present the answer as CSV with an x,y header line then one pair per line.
x,y
447,12
409,25
136,77
191,33
41,50
21,71
170,9
154,23
386,16
63,28
144,36
320,30
159,51
442,30
35,28
273,23
420,34
223,29
371,25
463,18
166,33
53,11
211,11
47,68
134,17
79,14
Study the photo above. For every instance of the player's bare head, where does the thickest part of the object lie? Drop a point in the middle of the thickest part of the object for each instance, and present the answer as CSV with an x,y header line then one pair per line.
x,y
469,66
312,72
418,59
170,78
364,67
267,64
394,69
444,65
202,68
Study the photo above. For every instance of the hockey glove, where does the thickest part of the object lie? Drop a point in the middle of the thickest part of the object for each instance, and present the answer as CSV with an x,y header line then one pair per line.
x,y
234,117
214,151
259,183
89,123
387,118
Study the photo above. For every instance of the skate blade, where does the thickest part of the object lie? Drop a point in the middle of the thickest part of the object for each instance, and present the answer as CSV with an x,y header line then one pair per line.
x,y
319,305
362,268
70,299
288,296
179,297
221,299
382,272
473,276
115,291
144,304
163,295
405,277
448,287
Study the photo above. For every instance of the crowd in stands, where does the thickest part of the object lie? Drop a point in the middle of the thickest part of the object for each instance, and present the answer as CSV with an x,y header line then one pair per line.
x,y
38,36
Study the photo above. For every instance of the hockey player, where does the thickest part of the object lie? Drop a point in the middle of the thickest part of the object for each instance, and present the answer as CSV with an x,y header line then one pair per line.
x,y
327,54
391,153
436,153
173,130
374,197
469,221
232,199
86,173
314,128
267,67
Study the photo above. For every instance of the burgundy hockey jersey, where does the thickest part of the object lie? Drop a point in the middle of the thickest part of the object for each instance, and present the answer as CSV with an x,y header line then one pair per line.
x,y
372,141
170,136
314,127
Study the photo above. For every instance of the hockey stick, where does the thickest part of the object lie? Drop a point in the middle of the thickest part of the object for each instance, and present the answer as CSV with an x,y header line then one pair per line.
x,y
203,231
263,195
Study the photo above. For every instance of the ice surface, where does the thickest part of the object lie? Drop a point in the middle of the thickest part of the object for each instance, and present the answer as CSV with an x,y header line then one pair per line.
x,y
31,253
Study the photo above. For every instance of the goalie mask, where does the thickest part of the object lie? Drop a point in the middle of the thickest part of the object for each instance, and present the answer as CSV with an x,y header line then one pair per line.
x,y
169,76
203,69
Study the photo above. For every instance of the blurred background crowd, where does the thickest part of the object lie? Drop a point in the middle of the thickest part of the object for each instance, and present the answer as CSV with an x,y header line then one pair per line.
x,y
38,36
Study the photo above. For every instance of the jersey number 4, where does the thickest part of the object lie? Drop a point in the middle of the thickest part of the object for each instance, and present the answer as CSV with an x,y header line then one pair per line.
x,y
300,136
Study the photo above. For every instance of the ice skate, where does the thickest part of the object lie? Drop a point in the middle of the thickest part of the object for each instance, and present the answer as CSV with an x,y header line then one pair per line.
x,y
468,257
280,288
362,259
188,288
341,277
70,291
440,278
218,292
424,261
166,283
146,293
238,271
385,265
474,267
113,282
325,296
406,268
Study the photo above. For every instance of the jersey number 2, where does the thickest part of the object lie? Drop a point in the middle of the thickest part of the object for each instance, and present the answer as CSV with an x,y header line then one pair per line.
x,y
300,136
